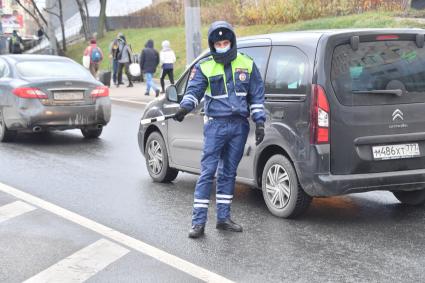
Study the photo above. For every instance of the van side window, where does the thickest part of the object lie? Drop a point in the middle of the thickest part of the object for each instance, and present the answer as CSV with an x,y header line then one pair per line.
x,y
260,55
287,71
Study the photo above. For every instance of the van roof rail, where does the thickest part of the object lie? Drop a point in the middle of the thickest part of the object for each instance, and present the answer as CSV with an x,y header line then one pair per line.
x,y
420,38
354,42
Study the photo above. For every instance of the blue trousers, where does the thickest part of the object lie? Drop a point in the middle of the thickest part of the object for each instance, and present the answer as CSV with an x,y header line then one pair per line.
x,y
150,83
224,143
114,70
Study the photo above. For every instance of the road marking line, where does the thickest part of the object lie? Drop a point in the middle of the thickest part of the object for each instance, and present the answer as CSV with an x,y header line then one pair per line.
x,y
129,101
81,265
174,261
14,209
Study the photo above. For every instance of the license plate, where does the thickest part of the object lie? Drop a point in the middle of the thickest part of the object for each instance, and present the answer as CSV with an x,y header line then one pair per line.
x,y
68,95
395,151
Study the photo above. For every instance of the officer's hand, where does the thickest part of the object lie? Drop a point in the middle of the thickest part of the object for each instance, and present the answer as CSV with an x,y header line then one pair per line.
x,y
259,133
179,116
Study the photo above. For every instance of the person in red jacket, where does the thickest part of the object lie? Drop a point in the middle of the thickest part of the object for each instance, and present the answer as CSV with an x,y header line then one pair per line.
x,y
96,56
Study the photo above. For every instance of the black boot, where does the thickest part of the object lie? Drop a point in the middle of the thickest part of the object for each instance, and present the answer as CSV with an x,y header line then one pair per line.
x,y
229,225
157,93
196,231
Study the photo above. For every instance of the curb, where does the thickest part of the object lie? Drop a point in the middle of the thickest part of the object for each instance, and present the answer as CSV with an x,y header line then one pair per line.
x,y
131,103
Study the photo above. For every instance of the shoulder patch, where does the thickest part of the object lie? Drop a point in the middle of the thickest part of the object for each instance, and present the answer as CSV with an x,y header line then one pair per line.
x,y
192,73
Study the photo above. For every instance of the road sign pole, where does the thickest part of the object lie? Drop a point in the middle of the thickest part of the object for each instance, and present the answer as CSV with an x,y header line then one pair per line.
x,y
193,29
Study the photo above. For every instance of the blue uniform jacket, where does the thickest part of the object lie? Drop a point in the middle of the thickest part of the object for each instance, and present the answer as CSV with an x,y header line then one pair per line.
x,y
232,105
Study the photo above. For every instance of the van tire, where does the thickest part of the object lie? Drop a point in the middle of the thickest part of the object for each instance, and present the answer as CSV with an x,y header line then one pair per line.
x,y
165,173
413,198
6,135
285,199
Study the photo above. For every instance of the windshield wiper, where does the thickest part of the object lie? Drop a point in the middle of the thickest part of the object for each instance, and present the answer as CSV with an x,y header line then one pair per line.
x,y
397,92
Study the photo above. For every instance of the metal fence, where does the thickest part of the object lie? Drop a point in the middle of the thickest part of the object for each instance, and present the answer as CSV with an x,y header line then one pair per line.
x,y
125,22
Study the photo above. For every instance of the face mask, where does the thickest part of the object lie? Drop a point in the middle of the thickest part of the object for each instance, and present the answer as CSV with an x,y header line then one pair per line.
x,y
223,50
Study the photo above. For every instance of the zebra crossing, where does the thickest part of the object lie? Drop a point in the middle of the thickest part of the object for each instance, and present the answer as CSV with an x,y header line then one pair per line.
x,y
90,251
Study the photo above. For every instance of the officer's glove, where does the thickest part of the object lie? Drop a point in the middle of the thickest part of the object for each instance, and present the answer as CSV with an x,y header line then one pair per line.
x,y
179,116
259,133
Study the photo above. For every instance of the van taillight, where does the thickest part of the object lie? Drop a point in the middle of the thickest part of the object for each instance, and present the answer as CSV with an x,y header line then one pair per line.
x,y
319,130
100,91
29,92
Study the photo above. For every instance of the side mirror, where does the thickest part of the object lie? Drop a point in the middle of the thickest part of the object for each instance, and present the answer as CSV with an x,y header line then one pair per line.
x,y
171,94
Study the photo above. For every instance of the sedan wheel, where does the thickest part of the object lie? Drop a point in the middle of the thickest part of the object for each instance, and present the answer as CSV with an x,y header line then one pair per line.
x,y
91,133
157,159
5,134
281,191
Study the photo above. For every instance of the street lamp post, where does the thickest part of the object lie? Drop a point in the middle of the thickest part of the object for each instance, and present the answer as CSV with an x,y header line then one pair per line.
x,y
193,29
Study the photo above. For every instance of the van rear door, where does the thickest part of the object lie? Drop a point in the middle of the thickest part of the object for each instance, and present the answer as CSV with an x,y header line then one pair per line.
x,y
377,90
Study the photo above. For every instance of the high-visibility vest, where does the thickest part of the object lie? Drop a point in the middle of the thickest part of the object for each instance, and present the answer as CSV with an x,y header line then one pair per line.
x,y
241,68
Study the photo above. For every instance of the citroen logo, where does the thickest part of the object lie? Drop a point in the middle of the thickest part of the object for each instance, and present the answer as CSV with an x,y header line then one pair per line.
x,y
397,114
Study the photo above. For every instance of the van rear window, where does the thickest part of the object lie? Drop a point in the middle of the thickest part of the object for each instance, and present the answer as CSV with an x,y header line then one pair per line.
x,y
379,73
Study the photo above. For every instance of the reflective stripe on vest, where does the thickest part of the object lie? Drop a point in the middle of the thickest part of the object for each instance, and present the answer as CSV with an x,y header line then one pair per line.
x,y
212,69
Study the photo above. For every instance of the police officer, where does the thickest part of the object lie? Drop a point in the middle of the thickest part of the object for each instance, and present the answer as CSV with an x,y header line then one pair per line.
x,y
15,43
233,91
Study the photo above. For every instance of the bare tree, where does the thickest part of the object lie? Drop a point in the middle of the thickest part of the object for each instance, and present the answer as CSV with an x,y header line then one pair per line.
x,y
89,29
33,14
84,17
102,19
60,17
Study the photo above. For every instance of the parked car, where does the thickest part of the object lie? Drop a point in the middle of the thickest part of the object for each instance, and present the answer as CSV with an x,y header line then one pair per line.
x,y
43,93
345,114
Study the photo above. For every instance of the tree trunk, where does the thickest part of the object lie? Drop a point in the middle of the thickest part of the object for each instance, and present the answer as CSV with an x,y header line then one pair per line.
x,y
40,15
33,15
83,19
102,19
89,29
62,26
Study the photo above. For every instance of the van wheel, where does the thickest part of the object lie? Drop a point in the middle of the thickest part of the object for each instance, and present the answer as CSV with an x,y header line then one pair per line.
x,y
414,198
157,159
283,195
6,135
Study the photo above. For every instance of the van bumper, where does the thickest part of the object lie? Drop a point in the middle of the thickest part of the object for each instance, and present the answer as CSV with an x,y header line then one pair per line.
x,y
331,185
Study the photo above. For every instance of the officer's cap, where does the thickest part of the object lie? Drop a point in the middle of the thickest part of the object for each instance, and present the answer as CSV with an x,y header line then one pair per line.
x,y
221,34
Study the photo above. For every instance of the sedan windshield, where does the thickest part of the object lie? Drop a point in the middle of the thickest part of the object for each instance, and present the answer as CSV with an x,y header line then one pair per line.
x,y
51,69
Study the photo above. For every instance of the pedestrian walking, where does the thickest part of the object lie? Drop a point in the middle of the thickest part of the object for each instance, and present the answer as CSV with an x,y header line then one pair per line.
x,y
15,43
124,61
167,58
115,46
96,56
233,91
149,60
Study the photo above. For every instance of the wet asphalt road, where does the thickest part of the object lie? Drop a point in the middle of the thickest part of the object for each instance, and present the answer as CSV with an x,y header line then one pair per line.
x,y
356,238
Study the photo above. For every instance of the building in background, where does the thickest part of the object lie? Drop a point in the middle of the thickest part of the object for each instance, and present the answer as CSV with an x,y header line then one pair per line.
x,y
13,17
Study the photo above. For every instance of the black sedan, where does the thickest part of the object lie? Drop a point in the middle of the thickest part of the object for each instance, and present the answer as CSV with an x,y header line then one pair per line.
x,y
43,93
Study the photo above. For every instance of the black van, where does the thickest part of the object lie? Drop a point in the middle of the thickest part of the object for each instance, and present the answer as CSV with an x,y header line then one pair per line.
x,y
345,114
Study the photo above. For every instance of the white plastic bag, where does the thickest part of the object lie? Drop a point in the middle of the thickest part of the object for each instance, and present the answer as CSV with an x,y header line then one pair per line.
x,y
134,69
86,61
